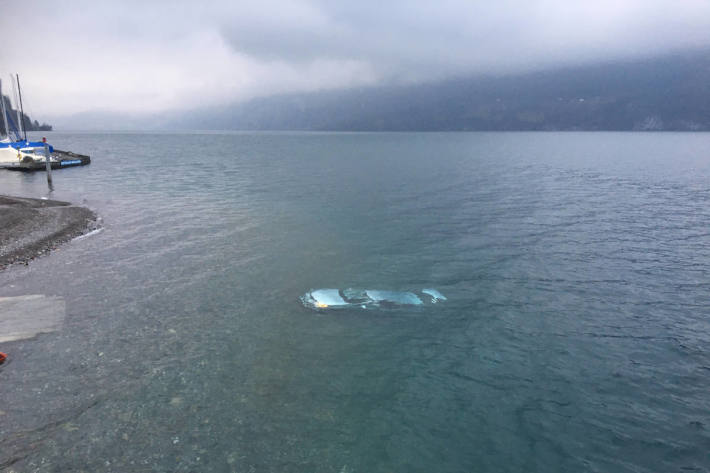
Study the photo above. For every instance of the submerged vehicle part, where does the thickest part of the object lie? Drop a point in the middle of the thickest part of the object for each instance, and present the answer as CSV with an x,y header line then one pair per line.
x,y
435,295
323,298
364,298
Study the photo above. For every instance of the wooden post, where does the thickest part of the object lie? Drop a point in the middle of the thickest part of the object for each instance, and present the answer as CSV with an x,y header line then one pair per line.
x,y
49,165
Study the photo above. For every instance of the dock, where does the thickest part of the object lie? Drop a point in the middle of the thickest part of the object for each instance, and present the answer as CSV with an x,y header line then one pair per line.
x,y
60,159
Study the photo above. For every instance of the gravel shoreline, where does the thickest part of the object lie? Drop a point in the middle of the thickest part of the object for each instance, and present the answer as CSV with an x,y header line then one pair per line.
x,y
32,227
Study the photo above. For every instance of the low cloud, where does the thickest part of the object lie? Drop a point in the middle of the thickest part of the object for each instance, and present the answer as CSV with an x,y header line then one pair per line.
x,y
160,56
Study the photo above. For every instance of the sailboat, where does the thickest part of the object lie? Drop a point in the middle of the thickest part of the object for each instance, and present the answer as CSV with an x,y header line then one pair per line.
x,y
15,148
17,152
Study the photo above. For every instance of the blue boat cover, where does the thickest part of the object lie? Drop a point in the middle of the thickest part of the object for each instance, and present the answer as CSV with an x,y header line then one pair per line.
x,y
26,144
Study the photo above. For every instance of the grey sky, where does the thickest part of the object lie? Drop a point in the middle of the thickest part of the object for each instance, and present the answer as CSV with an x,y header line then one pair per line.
x,y
142,56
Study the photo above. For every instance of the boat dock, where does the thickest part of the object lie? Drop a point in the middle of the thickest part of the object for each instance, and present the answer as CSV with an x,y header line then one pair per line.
x,y
17,153
59,160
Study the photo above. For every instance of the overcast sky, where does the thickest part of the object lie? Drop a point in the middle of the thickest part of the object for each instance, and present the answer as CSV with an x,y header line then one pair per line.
x,y
142,56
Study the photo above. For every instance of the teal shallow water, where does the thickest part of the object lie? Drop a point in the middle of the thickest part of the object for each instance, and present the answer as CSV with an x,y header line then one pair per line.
x,y
574,336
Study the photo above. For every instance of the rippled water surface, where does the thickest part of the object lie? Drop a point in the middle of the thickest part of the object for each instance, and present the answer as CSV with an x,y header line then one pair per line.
x,y
575,335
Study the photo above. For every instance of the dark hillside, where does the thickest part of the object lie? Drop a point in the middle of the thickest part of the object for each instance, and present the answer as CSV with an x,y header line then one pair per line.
x,y
31,125
670,93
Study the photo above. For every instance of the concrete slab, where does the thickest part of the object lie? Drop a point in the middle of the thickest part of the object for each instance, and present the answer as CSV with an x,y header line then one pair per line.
x,y
23,317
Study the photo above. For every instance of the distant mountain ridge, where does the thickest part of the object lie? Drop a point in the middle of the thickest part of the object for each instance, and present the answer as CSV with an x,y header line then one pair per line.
x,y
668,93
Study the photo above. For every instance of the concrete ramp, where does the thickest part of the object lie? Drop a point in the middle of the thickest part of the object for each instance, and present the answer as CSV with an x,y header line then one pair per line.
x,y
24,317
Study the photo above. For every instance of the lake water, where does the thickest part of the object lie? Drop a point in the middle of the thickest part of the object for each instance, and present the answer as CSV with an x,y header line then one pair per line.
x,y
575,335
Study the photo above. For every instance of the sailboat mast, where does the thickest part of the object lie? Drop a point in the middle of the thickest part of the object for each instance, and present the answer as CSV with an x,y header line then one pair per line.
x,y
4,113
17,109
22,110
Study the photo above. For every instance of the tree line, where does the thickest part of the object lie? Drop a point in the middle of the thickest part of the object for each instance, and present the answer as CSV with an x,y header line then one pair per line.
x,y
30,125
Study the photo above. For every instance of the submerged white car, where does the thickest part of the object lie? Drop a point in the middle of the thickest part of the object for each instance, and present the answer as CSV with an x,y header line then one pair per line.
x,y
364,298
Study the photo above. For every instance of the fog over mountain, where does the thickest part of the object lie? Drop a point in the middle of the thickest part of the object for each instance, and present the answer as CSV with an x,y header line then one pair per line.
x,y
671,93
124,64
668,93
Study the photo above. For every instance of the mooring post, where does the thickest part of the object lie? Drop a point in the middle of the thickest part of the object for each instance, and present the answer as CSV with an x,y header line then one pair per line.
x,y
49,165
